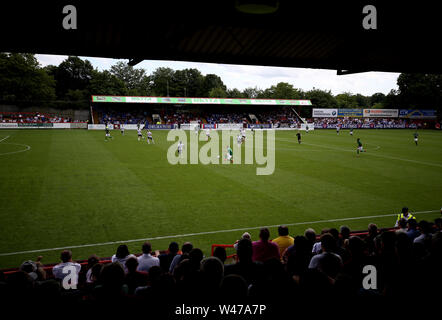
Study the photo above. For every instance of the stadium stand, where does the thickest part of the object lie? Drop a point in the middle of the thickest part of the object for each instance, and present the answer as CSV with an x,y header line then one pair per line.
x,y
408,260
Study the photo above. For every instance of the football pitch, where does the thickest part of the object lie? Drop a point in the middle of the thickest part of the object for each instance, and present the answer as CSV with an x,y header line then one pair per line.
x,y
71,189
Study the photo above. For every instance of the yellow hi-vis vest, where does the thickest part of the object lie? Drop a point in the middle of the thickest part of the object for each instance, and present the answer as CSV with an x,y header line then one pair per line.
x,y
401,216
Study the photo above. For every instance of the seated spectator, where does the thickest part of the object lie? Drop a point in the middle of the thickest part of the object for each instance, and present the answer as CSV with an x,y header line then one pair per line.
x,y
66,258
317,245
233,288
122,255
185,249
402,224
298,256
245,266
111,288
34,269
146,260
328,262
425,236
264,249
412,232
310,235
134,278
370,239
245,235
166,258
212,272
284,240
438,223
220,253
344,235
91,261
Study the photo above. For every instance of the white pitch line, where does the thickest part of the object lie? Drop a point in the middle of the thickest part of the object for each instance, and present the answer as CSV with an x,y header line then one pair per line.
x,y
27,148
373,154
203,233
4,139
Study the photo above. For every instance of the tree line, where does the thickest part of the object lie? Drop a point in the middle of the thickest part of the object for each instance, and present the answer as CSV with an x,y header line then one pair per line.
x,y
24,81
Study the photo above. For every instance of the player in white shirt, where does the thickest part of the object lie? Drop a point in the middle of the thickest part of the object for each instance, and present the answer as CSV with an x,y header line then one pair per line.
x,y
239,139
243,134
149,137
180,148
122,129
140,134
197,128
337,129
208,134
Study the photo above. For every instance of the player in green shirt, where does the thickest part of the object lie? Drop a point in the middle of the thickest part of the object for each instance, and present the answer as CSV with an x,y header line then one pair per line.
x,y
360,148
229,154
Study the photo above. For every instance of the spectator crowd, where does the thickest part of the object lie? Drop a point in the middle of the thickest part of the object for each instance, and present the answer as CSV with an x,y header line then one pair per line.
x,y
285,272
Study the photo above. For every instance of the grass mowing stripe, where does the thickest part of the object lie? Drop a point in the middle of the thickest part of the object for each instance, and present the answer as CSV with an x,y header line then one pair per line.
x,y
205,233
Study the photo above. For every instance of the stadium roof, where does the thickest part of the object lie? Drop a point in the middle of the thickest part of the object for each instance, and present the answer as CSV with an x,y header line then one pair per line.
x,y
226,101
308,34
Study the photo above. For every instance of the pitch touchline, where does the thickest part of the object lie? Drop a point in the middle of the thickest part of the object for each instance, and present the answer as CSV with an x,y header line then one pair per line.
x,y
202,233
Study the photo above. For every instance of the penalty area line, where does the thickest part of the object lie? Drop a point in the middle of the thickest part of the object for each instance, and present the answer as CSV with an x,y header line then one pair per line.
x,y
203,233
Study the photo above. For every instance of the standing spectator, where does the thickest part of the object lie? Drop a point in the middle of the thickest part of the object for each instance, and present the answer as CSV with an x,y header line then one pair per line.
x,y
66,258
264,249
166,258
146,260
122,255
284,240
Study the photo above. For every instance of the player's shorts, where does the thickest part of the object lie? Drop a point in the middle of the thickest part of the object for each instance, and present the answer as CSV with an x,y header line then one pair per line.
x,y
415,139
150,138
107,134
229,156
140,135
360,148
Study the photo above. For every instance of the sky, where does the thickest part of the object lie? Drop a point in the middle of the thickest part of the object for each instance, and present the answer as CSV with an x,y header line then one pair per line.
x,y
242,76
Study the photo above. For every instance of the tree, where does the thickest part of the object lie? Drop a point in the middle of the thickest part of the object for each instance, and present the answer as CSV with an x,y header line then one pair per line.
x,y
161,81
321,98
377,99
217,93
251,93
22,79
282,90
362,101
135,80
420,90
72,74
105,83
211,81
187,83
234,93
346,100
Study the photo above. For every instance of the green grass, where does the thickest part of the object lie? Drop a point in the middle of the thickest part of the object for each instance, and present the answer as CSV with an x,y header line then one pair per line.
x,y
72,188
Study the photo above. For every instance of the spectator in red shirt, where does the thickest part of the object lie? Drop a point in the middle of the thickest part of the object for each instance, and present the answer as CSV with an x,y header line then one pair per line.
x,y
264,249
